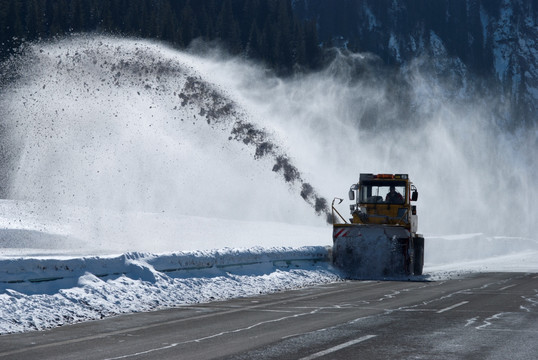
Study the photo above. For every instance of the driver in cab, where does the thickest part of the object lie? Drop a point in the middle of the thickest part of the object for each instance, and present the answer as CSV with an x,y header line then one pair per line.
x,y
394,197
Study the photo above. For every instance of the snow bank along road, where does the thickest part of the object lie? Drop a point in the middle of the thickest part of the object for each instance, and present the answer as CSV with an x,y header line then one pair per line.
x,y
41,293
477,316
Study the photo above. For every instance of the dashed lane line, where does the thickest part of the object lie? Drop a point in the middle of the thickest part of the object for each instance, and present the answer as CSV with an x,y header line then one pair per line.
x,y
507,287
452,307
338,347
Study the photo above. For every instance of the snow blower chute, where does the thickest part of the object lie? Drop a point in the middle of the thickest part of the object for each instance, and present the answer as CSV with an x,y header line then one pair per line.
x,y
380,240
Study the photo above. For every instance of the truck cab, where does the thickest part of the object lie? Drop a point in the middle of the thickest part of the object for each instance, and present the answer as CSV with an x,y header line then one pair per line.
x,y
384,199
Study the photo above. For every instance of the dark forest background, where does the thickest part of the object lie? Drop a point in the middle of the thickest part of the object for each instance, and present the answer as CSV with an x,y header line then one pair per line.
x,y
257,29
291,36
287,35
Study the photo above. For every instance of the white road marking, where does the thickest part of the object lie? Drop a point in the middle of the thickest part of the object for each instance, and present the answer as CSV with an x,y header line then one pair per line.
x,y
227,332
488,321
507,287
452,307
471,321
338,347
143,352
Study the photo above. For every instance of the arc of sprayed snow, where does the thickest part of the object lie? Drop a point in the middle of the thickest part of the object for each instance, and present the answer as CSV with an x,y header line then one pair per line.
x,y
216,109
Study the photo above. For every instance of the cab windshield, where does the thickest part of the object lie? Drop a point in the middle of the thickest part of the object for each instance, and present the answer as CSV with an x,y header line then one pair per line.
x,y
378,192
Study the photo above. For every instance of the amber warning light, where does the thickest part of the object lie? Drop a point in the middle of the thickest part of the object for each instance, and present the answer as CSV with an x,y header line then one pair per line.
x,y
384,176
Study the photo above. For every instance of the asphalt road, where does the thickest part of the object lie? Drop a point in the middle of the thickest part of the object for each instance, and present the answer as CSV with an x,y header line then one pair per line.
x,y
483,316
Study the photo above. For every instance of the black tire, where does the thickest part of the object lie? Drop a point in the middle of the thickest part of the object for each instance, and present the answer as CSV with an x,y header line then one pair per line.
x,y
418,245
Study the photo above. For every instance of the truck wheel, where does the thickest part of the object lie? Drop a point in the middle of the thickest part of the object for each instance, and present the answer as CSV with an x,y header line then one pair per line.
x,y
419,255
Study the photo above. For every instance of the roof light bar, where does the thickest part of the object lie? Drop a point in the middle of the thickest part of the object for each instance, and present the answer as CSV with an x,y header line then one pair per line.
x,y
384,176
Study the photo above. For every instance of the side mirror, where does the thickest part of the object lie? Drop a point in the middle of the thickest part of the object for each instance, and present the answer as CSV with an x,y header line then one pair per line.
x,y
414,195
352,190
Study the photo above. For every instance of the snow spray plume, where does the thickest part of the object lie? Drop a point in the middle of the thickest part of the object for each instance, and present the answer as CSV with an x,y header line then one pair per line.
x,y
104,122
249,135
427,120
217,110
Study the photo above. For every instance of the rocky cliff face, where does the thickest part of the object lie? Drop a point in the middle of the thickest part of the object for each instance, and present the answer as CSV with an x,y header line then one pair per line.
x,y
481,46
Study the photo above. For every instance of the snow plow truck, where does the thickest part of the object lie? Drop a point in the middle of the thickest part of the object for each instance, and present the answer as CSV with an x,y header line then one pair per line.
x,y
380,240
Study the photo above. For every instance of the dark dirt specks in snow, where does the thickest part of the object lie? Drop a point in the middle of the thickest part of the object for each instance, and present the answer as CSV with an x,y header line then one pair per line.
x,y
218,110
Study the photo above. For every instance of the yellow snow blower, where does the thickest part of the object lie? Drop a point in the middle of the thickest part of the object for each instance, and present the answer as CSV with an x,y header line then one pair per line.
x,y
380,240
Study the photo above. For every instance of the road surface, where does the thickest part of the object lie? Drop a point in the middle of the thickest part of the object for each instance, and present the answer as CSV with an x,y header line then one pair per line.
x,y
479,316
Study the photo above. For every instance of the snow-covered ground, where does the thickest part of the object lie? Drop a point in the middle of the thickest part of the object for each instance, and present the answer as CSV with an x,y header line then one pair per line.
x,y
51,277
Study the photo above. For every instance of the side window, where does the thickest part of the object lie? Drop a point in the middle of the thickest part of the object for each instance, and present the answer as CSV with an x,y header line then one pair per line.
x,y
368,194
365,190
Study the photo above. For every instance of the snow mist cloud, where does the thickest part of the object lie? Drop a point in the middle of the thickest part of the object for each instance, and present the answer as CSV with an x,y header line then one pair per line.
x,y
131,126
473,174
